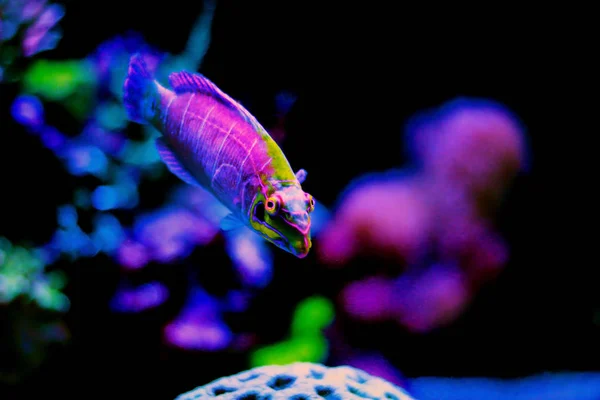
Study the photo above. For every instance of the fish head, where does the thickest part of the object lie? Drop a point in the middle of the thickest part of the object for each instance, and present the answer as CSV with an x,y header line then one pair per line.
x,y
283,217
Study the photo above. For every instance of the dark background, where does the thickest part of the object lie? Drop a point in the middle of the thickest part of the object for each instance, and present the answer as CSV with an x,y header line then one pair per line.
x,y
359,72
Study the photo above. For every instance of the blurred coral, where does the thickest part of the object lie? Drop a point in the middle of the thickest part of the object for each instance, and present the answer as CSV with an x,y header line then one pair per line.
x,y
199,325
472,145
27,27
140,298
306,342
384,215
23,274
31,305
435,220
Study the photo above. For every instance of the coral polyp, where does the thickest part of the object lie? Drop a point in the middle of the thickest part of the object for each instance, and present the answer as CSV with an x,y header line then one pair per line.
x,y
298,381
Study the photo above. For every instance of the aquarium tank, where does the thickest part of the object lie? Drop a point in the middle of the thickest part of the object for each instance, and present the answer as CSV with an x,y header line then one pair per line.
x,y
286,200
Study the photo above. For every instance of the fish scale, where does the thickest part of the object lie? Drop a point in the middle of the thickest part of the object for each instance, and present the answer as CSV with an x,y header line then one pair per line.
x,y
228,151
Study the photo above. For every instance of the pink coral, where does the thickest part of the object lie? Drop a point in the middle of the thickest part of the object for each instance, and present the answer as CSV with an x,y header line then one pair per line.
x,y
477,146
385,217
437,222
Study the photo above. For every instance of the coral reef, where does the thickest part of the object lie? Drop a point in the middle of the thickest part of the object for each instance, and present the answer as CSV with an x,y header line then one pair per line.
x,y
299,381
435,220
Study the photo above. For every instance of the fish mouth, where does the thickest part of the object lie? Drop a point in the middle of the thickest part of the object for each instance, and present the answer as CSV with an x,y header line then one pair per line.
x,y
303,227
302,255
300,248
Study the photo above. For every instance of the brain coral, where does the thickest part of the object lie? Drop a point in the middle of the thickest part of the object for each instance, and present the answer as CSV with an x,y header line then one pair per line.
x,y
298,381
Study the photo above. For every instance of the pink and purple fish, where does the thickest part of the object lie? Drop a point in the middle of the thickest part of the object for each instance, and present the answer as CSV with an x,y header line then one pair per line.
x,y
210,140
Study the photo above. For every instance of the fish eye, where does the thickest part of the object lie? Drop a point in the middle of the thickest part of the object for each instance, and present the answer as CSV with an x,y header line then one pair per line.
x,y
311,203
272,205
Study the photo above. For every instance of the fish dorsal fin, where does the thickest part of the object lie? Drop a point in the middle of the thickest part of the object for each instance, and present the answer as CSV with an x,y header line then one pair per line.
x,y
186,82
173,164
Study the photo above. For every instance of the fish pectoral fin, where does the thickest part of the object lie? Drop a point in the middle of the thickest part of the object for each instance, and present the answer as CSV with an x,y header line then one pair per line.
x,y
301,175
173,164
230,222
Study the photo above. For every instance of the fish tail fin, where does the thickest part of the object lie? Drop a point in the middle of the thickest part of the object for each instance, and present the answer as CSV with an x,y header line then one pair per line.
x,y
140,91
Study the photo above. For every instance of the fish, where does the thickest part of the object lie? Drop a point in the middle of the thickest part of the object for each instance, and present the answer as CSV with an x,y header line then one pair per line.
x,y
210,140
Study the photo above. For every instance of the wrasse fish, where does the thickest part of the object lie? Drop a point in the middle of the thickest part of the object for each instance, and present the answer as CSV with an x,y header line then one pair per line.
x,y
210,140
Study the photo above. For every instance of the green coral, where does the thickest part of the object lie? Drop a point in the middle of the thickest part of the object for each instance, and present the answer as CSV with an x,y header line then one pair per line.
x,y
22,274
31,306
306,342
70,82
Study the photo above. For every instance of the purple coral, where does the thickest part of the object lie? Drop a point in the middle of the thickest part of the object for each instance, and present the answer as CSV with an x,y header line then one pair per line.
x,y
32,24
42,34
112,56
477,145
436,221
298,381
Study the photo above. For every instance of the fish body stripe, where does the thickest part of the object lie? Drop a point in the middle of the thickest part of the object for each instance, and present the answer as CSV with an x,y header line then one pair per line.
x,y
214,167
165,114
246,159
201,129
187,107
223,151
